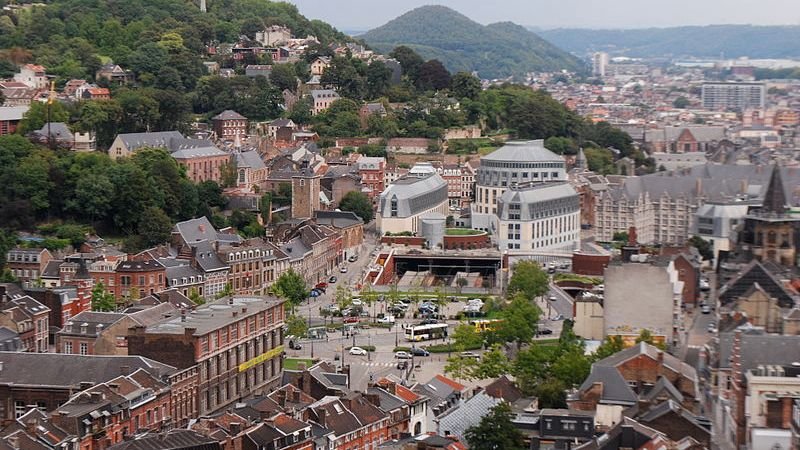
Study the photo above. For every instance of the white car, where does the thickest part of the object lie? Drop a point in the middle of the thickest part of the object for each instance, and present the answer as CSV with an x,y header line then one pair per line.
x,y
357,351
402,355
343,269
356,302
386,319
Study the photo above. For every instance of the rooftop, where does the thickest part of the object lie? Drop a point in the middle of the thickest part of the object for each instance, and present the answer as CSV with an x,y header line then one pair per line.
x,y
523,151
215,315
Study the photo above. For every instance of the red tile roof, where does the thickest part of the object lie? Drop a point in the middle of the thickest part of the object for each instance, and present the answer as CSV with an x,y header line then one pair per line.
x,y
451,383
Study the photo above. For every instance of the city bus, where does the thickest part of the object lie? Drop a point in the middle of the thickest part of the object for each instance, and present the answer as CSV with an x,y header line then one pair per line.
x,y
483,325
427,332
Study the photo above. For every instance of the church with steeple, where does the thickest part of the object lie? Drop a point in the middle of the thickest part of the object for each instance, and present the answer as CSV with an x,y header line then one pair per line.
x,y
771,233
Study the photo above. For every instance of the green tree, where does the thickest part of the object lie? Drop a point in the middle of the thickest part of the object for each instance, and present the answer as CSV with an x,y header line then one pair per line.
x,y
460,283
36,117
647,337
409,60
561,145
283,77
610,346
704,247
681,102
496,431
551,393
466,337
461,368
195,297
359,203
529,279
343,296
296,326
378,77
292,287
154,227
493,364
465,85
101,299
520,320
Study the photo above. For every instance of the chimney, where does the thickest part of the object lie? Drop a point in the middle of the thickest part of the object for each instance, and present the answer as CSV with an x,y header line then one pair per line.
x,y
374,399
744,186
234,313
698,186
96,397
85,385
295,396
660,358
282,398
183,314
244,310
236,428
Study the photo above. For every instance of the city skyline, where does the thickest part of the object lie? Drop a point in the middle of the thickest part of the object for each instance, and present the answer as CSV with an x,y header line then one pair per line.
x,y
362,15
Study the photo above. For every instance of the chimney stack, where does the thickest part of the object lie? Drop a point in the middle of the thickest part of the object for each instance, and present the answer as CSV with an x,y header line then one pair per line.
x,y
321,415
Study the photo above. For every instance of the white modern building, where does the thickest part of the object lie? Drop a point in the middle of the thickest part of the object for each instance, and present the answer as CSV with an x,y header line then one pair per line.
x,y
540,218
419,193
517,162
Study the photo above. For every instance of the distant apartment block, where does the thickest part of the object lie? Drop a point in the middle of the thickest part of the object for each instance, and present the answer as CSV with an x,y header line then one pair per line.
x,y
738,96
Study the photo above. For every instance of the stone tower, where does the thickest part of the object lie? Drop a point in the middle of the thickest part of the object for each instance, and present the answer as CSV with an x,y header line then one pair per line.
x,y
305,193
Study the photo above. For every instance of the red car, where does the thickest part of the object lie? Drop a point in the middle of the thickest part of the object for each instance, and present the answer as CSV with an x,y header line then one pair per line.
x,y
322,285
351,320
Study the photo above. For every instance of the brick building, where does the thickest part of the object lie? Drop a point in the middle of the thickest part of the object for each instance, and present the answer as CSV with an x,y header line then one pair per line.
x,y
27,264
47,380
27,317
236,344
229,124
136,279
354,420
372,173
111,412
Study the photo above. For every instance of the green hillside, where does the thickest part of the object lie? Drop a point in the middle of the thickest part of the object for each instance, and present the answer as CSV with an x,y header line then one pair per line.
x,y
494,51
730,41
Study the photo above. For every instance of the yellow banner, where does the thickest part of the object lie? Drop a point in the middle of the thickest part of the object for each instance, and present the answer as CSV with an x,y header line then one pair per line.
x,y
261,358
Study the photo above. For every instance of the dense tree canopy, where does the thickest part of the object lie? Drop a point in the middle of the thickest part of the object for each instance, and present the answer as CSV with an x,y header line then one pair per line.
x,y
359,203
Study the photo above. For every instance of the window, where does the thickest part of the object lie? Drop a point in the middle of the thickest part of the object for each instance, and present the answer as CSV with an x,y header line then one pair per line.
x,y
84,348
68,347
19,409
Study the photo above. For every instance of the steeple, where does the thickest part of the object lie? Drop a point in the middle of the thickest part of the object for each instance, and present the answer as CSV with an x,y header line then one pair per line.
x,y
580,160
775,197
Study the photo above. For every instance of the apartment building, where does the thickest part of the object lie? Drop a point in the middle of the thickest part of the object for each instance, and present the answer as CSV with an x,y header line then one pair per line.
x,y
235,343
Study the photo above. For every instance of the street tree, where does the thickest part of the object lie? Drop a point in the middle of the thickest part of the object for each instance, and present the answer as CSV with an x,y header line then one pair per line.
x,y
493,364
461,368
292,287
102,300
460,283
610,345
296,326
529,279
495,431
465,85
520,320
343,296
466,337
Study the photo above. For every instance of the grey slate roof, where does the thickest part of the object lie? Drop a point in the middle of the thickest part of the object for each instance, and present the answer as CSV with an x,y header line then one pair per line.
x,y
170,440
95,322
58,131
9,340
57,369
757,348
337,219
414,195
200,229
527,151
667,407
249,159
615,389
663,386
182,148
229,115
159,139
468,414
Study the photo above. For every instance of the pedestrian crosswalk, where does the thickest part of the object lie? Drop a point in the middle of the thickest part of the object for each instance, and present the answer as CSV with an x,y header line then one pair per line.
x,y
377,364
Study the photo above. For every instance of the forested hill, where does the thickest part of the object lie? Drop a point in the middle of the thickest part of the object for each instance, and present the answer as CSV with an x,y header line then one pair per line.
x,y
494,51
72,38
729,41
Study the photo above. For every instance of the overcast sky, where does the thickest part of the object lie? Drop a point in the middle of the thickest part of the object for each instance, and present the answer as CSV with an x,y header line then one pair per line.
x,y
367,14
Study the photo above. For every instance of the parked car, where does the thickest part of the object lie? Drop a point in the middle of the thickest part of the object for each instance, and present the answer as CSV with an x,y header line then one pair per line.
x,y
705,308
356,301
386,319
294,345
402,355
420,352
545,331
357,351
363,314
332,280
343,269
712,327
351,320
353,258
557,318
705,285
322,285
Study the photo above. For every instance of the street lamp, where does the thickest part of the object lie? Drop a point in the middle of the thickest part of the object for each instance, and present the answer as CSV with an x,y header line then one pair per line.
x,y
369,346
